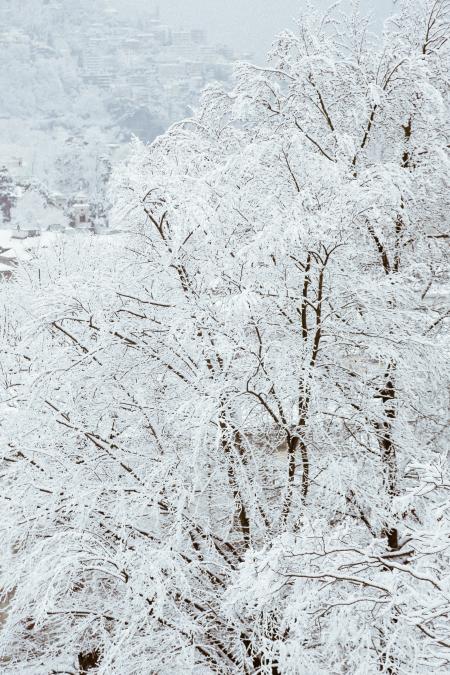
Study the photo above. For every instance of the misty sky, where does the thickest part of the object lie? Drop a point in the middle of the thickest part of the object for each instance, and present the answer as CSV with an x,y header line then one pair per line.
x,y
248,25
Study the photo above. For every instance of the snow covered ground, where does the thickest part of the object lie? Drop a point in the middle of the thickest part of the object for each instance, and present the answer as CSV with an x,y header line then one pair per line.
x,y
14,247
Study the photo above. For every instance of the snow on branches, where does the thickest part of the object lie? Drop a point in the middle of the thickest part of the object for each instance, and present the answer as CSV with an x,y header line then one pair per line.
x,y
223,433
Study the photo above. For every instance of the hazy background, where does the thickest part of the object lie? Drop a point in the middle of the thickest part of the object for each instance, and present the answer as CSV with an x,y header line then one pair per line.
x,y
80,78
247,25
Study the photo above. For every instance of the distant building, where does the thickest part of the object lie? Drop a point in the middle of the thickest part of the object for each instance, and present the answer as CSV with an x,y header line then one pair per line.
x,y
198,36
97,66
163,35
81,215
171,71
180,38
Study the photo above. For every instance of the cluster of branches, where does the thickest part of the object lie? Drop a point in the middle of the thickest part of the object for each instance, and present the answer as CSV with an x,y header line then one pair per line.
x,y
223,434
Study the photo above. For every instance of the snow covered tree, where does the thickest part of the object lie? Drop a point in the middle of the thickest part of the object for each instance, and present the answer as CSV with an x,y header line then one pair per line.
x,y
7,195
34,210
224,443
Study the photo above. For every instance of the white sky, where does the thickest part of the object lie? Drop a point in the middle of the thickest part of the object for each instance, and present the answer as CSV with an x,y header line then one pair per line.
x,y
248,25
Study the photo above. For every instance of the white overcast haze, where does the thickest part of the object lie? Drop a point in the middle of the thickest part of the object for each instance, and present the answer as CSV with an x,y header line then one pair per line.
x,y
247,25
